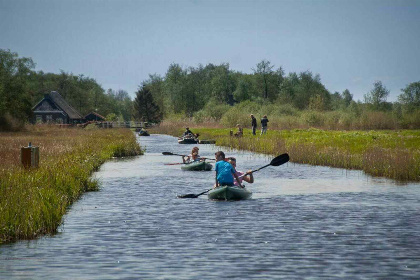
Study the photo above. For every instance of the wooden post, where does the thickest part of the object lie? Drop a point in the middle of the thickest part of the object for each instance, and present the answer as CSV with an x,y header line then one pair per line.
x,y
29,156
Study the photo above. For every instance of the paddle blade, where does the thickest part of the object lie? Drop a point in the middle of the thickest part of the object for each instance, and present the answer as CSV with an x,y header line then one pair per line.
x,y
167,154
279,160
190,195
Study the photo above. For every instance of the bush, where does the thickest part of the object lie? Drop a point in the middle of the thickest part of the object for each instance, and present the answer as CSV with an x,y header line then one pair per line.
x,y
312,119
213,111
376,120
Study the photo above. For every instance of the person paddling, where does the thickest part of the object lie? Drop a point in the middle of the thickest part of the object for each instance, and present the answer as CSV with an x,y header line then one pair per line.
x,y
194,156
187,132
225,173
247,177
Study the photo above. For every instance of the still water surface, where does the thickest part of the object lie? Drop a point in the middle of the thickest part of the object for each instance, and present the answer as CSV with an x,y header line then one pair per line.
x,y
303,222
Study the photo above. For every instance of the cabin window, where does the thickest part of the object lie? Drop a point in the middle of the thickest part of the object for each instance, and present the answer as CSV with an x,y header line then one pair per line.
x,y
59,120
38,119
49,118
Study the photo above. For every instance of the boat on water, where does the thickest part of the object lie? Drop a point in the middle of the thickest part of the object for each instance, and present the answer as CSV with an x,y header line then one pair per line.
x,y
197,166
188,140
229,193
144,133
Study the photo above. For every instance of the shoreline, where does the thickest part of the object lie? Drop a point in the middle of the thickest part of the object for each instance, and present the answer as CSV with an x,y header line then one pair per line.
x,y
393,154
34,201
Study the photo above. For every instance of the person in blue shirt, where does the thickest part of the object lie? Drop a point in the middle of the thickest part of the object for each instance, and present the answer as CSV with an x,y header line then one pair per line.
x,y
225,173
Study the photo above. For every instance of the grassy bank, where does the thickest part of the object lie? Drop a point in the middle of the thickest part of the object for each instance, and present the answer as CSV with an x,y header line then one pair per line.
x,y
33,202
392,154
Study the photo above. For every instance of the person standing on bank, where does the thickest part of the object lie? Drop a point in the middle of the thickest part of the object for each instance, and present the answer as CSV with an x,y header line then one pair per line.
x,y
264,122
253,124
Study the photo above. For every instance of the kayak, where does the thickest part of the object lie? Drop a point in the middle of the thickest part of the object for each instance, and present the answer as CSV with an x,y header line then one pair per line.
x,y
229,193
144,133
197,166
183,140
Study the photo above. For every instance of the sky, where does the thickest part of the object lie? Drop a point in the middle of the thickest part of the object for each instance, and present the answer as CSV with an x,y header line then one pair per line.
x,y
350,44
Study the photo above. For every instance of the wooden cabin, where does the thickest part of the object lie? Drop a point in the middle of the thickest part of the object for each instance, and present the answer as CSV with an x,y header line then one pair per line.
x,y
54,109
95,117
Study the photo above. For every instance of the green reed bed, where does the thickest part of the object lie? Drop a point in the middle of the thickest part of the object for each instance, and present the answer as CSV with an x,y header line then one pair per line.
x,y
392,154
33,202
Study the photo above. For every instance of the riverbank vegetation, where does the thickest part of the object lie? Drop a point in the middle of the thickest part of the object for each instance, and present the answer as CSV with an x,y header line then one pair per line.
x,y
389,153
216,94
33,202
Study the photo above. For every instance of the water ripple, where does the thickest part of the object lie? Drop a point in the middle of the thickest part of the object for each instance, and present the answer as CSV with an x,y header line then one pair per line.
x,y
302,222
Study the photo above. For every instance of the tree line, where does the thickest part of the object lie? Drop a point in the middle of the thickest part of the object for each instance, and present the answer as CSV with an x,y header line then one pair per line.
x,y
21,88
199,93
209,90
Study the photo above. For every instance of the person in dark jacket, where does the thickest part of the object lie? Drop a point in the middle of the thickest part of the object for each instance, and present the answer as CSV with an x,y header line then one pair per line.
x,y
253,124
187,132
264,122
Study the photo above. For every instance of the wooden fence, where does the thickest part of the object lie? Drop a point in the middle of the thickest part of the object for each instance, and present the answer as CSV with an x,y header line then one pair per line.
x,y
122,124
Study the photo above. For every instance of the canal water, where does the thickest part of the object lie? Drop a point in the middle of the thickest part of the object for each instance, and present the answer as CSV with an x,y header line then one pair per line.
x,y
303,222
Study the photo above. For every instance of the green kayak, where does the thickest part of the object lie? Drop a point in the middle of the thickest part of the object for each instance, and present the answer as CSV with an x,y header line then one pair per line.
x,y
197,166
229,193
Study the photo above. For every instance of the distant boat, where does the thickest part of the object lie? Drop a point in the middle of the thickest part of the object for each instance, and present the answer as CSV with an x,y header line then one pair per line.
x,y
189,139
144,133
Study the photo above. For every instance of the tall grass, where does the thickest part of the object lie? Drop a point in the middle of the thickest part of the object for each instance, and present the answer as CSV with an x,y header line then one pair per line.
x,y
391,154
33,202
356,116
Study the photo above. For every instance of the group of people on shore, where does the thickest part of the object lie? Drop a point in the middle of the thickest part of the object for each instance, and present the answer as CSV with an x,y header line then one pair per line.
x,y
240,132
264,122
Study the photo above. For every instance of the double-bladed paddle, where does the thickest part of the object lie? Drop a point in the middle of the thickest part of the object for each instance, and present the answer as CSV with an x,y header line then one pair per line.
x,y
172,154
279,160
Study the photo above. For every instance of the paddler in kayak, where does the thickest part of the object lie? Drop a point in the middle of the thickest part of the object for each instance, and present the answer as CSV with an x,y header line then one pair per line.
x,y
247,177
187,132
225,173
194,156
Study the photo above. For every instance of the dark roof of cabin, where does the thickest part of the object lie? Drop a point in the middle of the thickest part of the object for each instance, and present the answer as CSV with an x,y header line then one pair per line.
x,y
96,114
60,102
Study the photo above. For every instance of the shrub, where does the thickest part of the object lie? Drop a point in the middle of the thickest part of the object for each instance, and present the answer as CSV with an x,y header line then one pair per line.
x,y
312,118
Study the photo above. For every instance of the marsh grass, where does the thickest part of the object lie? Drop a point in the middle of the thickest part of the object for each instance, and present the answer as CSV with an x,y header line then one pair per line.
x,y
393,154
33,202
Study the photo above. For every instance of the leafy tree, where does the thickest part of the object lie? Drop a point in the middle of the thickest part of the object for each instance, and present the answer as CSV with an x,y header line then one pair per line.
x,y
410,96
377,96
336,101
347,98
111,117
15,100
222,84
174,87
245,89
264,72
156,85
145,108
305,90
